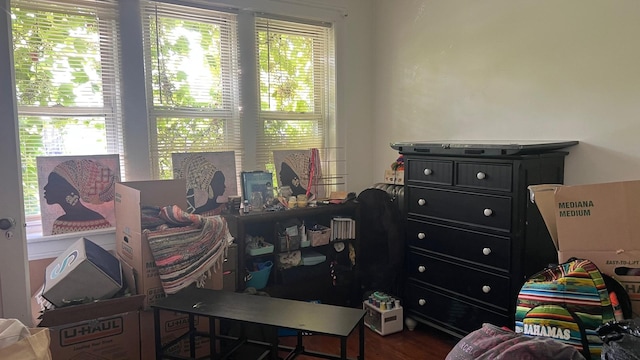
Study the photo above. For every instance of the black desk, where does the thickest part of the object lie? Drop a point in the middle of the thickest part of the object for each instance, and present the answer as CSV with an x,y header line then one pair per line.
x,y
290,314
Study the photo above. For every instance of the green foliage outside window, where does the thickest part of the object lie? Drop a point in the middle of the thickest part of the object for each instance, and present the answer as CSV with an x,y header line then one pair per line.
x,y
57,66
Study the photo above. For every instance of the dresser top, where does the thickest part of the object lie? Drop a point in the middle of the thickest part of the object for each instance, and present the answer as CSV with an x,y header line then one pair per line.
x,y
481,147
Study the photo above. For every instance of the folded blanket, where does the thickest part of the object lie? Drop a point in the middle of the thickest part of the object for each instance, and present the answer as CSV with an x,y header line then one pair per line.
x,y
186,254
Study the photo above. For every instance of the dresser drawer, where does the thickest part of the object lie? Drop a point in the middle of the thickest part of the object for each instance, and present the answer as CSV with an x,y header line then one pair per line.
x,y
464,207
430,171
450,312
484,176
480,285
478,247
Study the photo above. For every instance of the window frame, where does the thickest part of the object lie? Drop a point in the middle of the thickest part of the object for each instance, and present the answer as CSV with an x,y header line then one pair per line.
x,y
136,149
229,112
108,40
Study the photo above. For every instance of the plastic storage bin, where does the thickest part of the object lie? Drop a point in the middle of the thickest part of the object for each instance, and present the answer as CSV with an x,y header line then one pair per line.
x,y
258,279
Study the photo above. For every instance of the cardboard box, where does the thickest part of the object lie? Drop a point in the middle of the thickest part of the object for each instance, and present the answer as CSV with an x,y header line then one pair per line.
x,y
131,245
84,271
599,222
105,329
172,326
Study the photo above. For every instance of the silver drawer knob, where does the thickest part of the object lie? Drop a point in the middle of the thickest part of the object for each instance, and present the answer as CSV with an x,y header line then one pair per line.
x,y
486,251
486,289
422,268
427,172
487,212
421,236
422,302
480,175
422,202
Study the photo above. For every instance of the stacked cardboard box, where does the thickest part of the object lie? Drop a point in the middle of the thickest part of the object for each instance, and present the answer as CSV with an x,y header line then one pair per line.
x,y
599,222
138,263
105,329
132,247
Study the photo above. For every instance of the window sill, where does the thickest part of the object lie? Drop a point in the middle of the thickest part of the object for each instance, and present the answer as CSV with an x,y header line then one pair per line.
x,y
46,247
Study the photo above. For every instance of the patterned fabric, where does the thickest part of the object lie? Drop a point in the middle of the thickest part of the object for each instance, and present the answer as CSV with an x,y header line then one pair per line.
x,y
568,303
150,217
63,227
186,254
174,216
95,183
493,343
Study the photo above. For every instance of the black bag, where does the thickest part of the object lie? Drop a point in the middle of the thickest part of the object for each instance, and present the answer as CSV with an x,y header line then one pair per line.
x,y
380,248
621,340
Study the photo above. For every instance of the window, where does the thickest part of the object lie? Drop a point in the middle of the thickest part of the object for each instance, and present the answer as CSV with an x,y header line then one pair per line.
x,y
67,84
296,88
68,70
192,70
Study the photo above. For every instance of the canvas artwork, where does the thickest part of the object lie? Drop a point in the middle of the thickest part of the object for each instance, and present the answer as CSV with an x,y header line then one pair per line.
x,y
210,177
76,192
301,170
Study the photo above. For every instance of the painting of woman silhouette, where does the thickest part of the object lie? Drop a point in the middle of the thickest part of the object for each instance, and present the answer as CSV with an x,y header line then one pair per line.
x,y
301,170
210,179
77,192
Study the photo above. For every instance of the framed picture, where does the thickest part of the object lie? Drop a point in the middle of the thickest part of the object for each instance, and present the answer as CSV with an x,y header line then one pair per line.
x,y
77,192
256,181
301,170
210,178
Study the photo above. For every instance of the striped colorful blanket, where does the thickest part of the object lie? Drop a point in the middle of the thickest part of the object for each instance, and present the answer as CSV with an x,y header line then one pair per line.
x,y
188,253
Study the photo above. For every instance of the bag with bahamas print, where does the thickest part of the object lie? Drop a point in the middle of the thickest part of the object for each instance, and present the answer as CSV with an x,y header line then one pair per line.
x,y
567,302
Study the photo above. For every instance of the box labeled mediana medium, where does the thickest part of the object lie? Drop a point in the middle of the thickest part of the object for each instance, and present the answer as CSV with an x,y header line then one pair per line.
x,y
83,273
598,222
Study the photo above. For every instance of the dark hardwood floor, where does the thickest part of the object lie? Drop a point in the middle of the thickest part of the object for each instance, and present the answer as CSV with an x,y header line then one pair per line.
x,y
422,343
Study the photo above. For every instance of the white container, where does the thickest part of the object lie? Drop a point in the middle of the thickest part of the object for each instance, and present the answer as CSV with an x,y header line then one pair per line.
x,y
384,322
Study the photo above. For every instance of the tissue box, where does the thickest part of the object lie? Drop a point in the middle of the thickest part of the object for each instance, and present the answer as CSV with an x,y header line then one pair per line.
x,y
85,271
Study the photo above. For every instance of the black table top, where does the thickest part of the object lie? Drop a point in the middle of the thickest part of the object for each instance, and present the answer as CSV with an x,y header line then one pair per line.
x,y
291,314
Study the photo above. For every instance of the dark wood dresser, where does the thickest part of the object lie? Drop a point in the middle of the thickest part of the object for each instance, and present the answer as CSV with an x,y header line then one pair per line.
x,y
473,236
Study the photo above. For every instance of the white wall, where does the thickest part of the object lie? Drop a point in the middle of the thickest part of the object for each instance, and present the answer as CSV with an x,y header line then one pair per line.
x,y
512,69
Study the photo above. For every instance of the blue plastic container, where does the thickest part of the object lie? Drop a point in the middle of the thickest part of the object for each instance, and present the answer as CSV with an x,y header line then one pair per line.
x,y
258,279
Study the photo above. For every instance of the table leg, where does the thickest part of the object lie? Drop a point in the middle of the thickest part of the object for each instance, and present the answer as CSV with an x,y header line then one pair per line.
x,y
212,338
361,339
192,336
274,347
343,347
156,331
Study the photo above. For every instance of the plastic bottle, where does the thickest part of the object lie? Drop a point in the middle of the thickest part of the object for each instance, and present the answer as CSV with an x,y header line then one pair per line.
x,y
303,232
617,309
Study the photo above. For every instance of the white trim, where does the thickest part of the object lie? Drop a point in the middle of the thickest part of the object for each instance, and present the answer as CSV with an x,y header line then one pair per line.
x,y
320,4
52,246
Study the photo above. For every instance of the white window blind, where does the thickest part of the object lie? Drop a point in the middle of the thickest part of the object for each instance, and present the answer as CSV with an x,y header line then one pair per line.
x,y
191,57
66,60
296,67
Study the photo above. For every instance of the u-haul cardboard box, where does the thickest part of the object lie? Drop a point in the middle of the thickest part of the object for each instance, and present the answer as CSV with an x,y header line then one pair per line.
x,y
599,222
172,326
106,329
131,245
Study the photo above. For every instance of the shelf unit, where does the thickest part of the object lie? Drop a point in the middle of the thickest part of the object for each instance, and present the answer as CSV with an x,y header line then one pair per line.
x,y
303,282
